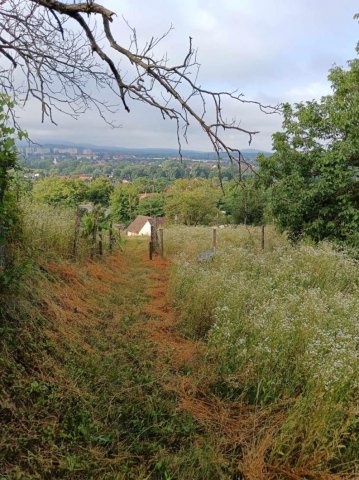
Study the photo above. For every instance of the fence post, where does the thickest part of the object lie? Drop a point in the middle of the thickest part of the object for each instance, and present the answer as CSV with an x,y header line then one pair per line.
x,y
154,238
77,231
94,237
161,242
262,237
110,239
214,238
100,242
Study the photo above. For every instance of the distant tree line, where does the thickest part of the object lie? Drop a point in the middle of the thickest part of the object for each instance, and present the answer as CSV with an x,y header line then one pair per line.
x,y
309,187
166,170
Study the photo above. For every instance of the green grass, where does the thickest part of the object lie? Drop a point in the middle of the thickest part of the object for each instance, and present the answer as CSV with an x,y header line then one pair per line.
x,y
85,394
49,232
282,332
82,390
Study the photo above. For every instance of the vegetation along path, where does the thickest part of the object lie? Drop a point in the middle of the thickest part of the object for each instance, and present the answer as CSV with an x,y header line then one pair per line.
x,y
96,384
103,383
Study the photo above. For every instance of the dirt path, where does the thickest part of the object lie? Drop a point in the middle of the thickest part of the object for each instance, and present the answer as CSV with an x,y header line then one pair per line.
x,y
162,325
230,422
242,434
113,389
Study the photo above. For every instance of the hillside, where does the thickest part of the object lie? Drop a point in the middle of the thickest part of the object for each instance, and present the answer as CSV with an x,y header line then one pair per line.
x,y
84,394
118,369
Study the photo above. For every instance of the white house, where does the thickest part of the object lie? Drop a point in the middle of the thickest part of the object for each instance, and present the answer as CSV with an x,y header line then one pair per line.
x,y
141,226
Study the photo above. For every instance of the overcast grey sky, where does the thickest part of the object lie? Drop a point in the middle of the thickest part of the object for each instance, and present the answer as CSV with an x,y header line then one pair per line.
x,y
271,50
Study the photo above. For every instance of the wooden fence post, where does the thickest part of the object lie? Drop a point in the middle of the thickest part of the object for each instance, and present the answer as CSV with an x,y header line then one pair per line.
x,y
77,232
100,241
214,238
262,237
94,237
110,238
154,238
161,242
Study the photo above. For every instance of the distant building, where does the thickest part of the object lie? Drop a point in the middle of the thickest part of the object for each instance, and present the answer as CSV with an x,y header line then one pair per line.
x,y
141,196
63,151
141,226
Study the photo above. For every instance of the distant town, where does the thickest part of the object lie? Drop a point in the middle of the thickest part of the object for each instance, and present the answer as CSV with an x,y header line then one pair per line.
x,y
86,162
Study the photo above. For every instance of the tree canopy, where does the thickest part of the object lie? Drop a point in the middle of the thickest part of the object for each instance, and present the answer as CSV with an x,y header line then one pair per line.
x,y
124,203
314,172
193,202
244,203
9,211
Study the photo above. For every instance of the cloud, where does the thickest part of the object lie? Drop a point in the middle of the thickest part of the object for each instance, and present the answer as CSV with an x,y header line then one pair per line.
x,y
271,51
311,91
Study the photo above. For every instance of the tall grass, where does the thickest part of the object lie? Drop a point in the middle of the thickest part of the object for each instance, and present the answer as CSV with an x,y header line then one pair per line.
x,y
282,330
193,240
49,232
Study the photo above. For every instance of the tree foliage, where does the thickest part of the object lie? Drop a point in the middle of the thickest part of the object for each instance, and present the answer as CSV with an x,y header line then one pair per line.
x,y
124,202
60,191
245,203
72,191
152,205
314,171
193,202
10,229
99,191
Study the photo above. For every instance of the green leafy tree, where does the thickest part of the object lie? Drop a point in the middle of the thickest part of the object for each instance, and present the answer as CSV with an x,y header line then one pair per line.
x,y
245,203
152,205
124,202
175,170
193,202
151,184
60,191
10,216
200,171
99,191
314,171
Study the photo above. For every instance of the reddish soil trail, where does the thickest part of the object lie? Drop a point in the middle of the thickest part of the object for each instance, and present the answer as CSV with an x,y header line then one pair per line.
x,y
230,422
162,325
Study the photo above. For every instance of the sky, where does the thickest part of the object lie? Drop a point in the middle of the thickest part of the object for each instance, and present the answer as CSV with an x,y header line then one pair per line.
x,y
272,51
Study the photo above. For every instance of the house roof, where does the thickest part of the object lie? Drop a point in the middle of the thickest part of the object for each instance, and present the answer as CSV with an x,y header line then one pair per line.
x,y
140,221
141,196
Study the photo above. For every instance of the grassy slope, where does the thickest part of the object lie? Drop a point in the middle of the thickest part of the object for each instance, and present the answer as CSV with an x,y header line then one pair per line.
x,y
82,391
281,329
98,383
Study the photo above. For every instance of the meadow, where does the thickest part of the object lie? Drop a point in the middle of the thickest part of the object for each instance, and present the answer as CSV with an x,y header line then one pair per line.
x,y
281,326
244,366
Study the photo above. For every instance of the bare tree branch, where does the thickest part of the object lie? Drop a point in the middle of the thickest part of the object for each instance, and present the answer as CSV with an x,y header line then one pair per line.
x,y
63,49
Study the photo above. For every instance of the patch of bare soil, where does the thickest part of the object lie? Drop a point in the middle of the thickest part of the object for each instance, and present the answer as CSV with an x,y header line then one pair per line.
x,y
162,325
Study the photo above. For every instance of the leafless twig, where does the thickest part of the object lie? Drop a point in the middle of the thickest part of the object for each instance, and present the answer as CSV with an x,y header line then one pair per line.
x,y
66,51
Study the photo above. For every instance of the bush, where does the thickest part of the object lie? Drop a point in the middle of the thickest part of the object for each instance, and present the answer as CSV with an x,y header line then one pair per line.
x,y
10,218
